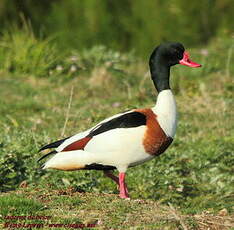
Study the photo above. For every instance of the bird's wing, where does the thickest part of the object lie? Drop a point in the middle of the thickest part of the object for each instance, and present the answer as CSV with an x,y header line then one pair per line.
x,y
123,120
126,120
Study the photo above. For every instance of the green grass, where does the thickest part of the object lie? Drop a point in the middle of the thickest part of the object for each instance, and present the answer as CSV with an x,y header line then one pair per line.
x,y
195,175
21,52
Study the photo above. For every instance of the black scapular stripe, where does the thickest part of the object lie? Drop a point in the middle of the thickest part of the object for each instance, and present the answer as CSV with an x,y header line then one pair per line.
x,y
53,145
128,120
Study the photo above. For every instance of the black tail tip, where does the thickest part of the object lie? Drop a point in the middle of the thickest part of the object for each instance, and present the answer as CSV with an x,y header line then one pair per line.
x,y
46,155
41,167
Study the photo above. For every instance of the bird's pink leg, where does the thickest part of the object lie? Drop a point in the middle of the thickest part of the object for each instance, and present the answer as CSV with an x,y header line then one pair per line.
x,y
117,181
123,191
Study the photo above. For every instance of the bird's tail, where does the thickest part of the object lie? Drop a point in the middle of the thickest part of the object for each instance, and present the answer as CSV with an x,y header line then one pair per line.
x,y
53,144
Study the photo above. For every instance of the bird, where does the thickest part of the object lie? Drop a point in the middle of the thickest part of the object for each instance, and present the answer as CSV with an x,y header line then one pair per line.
x,y
129,138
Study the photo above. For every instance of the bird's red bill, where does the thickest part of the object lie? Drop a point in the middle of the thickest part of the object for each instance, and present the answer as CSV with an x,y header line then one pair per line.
x,y
186,61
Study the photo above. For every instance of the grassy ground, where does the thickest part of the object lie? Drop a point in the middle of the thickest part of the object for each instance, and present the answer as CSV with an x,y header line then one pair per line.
x,y
71,209
188,187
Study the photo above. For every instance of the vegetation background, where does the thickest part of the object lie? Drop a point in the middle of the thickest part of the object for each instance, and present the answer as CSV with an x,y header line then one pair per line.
x,y
123,24
66,65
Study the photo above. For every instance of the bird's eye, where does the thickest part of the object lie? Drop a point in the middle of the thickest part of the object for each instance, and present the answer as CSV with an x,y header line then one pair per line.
x,y
178,54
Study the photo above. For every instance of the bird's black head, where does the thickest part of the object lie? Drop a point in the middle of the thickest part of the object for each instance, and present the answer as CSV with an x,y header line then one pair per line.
x,y
163,57
171,53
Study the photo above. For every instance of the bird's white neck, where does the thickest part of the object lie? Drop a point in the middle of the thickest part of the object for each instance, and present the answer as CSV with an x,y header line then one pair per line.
x,y
165,109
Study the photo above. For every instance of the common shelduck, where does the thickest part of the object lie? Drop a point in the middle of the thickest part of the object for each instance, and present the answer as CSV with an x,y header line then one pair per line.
x,y
129,138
